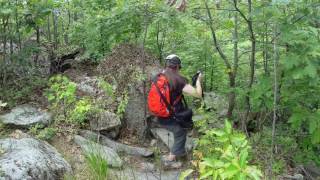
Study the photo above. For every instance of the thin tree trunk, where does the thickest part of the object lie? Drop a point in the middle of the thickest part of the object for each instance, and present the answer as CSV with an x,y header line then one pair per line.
x,y
225,60
265,51
55,30
232,95
146,24
48,29
211,80
66,38
252,59
5,25
275,98
18,26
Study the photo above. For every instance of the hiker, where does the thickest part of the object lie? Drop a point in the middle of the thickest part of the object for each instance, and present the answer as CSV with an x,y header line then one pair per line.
x,y
178,86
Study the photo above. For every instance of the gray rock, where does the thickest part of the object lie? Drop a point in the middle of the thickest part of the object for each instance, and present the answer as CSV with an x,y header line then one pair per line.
x,y
217,103
89,85
119,147
294,177
28,158
90,147
147,167
105,121
134,113
26,116
167,138
134,174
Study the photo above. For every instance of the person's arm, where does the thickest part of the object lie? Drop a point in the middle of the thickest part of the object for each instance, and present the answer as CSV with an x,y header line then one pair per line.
x,y
196,92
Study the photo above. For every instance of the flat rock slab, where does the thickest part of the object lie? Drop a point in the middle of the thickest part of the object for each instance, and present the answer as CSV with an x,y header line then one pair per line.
x,y
167,138
105,121
118,147
28,158
26,116
134,174
90,147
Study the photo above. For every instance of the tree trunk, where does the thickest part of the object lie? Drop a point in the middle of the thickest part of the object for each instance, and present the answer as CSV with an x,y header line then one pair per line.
x,y
233,75
18,26
252,60
48,29
55,30
275,96
265,51
252,63
231,70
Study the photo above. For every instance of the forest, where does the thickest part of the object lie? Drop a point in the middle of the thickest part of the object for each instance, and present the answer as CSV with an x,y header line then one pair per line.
x,y
75,76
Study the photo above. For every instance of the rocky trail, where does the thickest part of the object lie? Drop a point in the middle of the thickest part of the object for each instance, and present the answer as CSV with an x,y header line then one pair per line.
x,y
118,141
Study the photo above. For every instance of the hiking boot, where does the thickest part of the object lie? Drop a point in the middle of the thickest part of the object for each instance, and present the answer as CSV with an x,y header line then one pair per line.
x,y
170,164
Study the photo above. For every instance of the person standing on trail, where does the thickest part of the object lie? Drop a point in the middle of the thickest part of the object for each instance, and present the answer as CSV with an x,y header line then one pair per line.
x,y
177,85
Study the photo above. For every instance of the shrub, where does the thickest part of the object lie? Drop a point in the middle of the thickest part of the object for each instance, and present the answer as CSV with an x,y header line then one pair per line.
x,y
81,111
45,134
61,94
224,154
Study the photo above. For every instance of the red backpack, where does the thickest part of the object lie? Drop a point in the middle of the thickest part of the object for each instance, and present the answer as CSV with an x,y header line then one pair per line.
x,y
156,104
159,97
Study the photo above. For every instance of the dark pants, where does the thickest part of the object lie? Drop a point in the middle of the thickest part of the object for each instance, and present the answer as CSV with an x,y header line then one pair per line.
x,y
180,137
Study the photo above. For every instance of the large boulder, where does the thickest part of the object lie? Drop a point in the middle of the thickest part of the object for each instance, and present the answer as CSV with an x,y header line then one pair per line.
x,y
105,120
26,116
28,158
89,147
118,147
217,103
123,68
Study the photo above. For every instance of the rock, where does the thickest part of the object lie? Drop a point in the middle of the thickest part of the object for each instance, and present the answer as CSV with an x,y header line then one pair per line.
x,y
105,121
28,158
294,177
311,171
133,174
89,85
26,116
146,166
216,102
90,147
134,113
153,142
167,138
118,147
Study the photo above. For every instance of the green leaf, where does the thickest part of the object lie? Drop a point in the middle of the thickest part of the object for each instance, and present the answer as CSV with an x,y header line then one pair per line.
x,y
207,174
218,132
296,119
315,138
185,174
243,158
311,70
228,127
230,171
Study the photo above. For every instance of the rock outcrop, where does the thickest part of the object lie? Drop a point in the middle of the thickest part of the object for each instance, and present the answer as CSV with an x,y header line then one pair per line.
x,y
105,121
26,116
28,158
